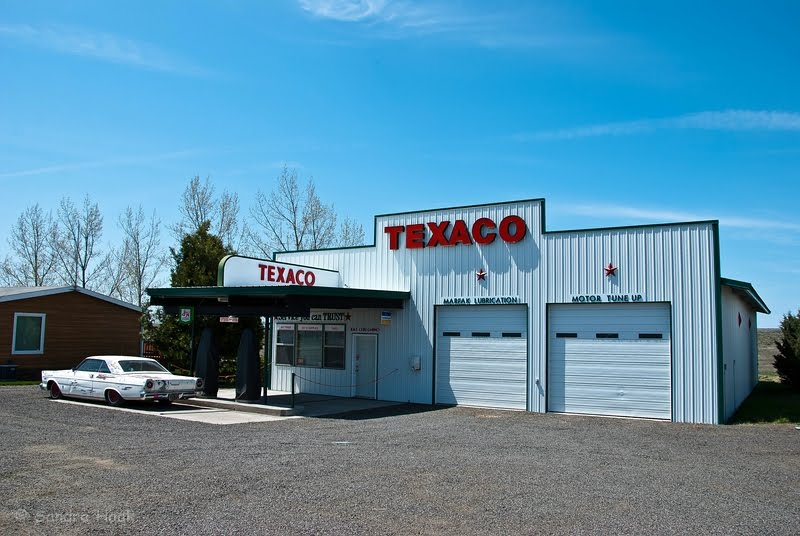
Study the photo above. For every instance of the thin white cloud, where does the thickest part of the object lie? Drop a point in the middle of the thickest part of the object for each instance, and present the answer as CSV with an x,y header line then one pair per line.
x,y
725,120
490,28
660,215
344,10
101,46
74,166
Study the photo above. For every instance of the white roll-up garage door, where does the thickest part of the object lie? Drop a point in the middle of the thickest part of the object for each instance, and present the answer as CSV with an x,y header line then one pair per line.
x,y
482,356
610,359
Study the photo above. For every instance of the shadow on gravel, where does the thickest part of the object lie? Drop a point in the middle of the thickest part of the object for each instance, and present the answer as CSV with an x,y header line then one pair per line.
x,y
396,410
138,405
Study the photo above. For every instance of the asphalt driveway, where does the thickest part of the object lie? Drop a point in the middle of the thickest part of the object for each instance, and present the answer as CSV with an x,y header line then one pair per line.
x,y
77,469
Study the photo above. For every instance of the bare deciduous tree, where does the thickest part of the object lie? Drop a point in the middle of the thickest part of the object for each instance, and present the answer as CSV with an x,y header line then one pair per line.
x,y
199,204
291,218
350,233
141,258
32,241
80,262
115,276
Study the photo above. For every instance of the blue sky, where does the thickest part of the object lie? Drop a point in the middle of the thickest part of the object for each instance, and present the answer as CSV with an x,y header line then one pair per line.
x,y
616,112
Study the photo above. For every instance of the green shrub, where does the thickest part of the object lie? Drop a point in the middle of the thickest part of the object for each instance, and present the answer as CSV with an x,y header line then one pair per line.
x,y
787,361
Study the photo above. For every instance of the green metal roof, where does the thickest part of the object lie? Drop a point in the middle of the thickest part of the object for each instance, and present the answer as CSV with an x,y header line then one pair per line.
x,y
746,289
276,290
273,300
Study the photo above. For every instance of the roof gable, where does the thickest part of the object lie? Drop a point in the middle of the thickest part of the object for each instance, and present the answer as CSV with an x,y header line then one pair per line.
x,y
8,294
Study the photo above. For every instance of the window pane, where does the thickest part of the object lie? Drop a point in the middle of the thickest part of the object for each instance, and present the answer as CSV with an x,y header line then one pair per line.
x,y
89,365
309,345
285,333
28,336
606,335
334,357
334,338
284,355
284,349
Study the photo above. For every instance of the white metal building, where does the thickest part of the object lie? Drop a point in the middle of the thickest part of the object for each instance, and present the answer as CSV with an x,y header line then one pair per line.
x,y
502,313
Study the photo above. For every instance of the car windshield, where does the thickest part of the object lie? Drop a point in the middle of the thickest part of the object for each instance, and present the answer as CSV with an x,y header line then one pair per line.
x,y
141,366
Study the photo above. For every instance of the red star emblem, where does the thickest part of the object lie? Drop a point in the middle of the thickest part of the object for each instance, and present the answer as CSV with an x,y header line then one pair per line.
x,y
481,274
610,270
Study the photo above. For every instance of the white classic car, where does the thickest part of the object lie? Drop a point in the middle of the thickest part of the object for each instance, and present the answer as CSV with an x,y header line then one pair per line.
x,y
116,379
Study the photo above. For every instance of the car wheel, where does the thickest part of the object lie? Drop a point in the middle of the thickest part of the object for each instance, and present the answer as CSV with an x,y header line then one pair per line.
x,y
113,398
54,390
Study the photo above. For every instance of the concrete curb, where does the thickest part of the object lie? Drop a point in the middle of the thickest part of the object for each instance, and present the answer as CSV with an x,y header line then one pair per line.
x,y
280,411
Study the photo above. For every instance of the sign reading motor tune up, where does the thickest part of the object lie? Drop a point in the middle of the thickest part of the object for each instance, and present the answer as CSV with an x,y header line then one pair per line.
x,y
483,231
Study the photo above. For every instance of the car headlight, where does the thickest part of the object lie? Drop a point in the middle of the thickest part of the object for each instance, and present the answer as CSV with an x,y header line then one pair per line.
x,y
149,384
199,383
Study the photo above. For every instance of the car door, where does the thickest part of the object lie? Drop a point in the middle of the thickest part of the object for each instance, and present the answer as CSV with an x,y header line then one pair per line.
x,y
102,379
84,376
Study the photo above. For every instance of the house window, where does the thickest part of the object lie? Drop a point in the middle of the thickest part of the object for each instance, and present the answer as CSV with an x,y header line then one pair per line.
x,y
28,337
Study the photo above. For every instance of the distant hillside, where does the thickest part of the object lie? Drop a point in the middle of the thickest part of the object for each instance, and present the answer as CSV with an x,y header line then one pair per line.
x,y
767,337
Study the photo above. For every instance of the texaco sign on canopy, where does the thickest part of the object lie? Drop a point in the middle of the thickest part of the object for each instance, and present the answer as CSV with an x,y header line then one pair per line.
x,y
244,271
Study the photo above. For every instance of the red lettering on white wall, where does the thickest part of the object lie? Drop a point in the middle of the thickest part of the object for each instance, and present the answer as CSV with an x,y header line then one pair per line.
x,y
484,231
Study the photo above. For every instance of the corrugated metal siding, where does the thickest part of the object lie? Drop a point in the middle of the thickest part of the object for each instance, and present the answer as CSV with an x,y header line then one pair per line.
x,y
432,274
487,370
674,264
740,343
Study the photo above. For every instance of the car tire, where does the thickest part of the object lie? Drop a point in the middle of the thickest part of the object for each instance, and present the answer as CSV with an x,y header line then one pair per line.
x,y
113,398
54,391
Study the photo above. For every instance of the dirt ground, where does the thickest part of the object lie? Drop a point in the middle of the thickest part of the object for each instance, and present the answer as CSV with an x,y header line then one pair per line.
x,y
766,352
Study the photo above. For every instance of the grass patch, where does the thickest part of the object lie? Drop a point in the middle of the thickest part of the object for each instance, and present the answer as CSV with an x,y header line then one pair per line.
x,y
5,383
770,402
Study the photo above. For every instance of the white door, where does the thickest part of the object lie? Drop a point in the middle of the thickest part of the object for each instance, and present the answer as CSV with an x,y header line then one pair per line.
x,y
482,356
365,360
610,359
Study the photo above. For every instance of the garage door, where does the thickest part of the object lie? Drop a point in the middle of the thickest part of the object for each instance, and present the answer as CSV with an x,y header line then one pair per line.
x,y
610,359
482,356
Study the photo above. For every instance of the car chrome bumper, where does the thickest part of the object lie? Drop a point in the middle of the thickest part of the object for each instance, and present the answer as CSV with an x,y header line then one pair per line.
x,y
181,395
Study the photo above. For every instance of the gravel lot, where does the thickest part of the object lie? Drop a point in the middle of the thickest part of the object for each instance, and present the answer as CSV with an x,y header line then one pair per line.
x,y
69,469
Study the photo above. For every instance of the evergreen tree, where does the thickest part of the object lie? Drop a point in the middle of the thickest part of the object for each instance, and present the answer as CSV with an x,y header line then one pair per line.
x,y
196,264
787,362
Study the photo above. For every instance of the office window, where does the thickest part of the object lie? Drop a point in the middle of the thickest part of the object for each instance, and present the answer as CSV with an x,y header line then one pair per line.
x,y
28,335
284,344
309,345
334,346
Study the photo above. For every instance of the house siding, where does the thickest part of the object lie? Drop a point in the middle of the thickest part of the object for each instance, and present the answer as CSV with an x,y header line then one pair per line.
x,y
76,326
